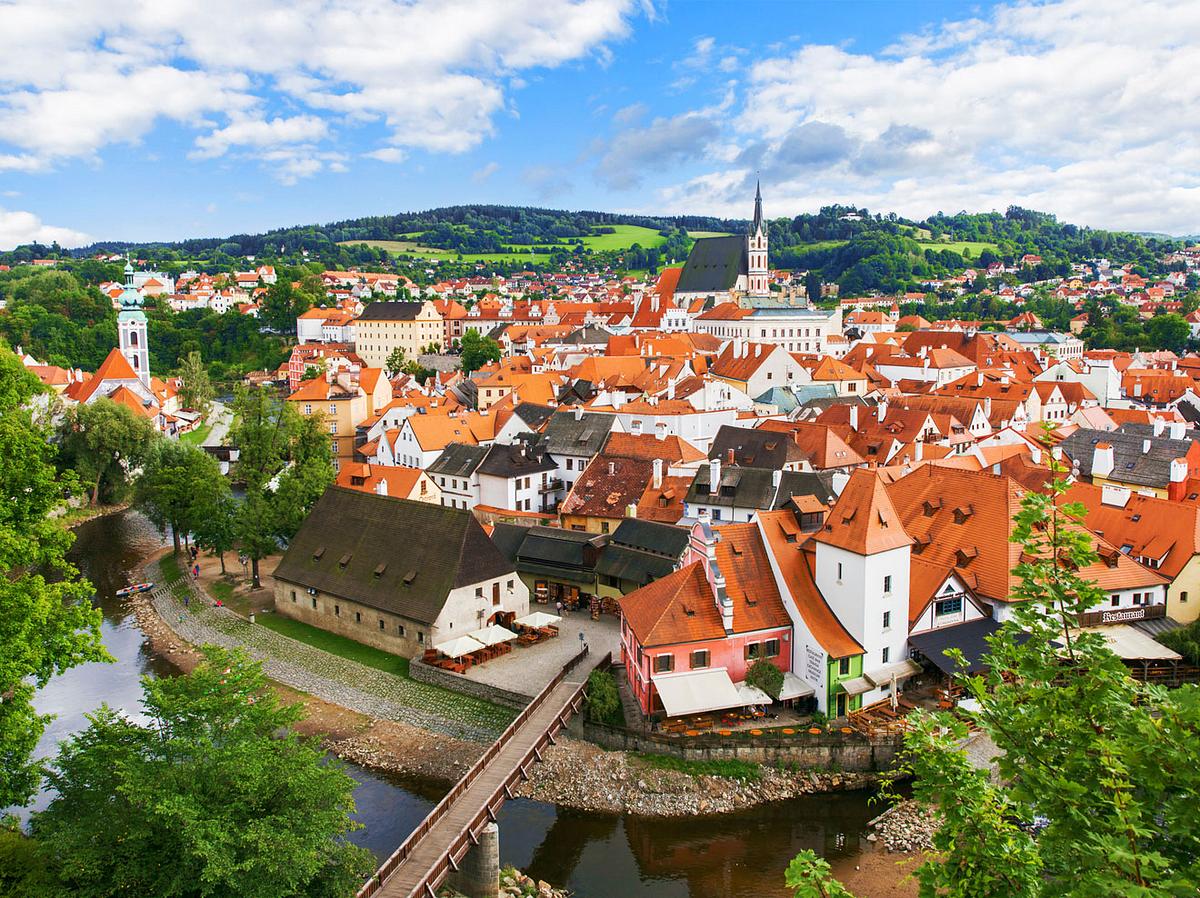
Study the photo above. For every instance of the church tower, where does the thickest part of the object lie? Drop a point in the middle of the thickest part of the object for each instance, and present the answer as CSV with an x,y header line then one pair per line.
x,y
757,272
131,329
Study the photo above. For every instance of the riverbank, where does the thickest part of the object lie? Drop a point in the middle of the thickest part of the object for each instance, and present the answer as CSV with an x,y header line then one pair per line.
x,y
73,516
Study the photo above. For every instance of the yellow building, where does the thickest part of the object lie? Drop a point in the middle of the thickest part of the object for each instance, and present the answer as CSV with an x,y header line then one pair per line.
x,y
384,326
344,400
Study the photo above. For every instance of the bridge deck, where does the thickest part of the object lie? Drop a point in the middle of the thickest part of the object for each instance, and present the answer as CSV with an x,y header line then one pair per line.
x,y
412,874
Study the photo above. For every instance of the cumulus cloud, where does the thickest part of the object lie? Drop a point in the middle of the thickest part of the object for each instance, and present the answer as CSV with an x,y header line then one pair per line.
x,y
1085,108
18,227
80,75
660,145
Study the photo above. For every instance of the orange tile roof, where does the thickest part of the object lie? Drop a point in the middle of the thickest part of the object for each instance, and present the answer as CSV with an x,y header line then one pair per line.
x,y
400,480
863,519
674,609
671,449
664,503
114,367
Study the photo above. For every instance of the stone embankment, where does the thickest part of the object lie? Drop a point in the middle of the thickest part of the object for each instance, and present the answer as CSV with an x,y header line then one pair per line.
x,y
515,884
906,826
578,775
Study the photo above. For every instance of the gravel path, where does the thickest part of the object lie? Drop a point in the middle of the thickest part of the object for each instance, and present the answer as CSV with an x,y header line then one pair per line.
x,y
329,677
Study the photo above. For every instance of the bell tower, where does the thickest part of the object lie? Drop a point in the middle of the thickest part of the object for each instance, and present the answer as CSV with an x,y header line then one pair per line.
x,y
131,329
757,272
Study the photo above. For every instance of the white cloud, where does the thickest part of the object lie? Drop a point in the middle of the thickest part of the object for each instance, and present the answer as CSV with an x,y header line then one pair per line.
x,y
18,227
387,154
483,173
1086,108
79,75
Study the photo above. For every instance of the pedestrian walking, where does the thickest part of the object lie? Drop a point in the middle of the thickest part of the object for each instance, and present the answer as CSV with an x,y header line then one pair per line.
x,y
187,599
559,606
196,571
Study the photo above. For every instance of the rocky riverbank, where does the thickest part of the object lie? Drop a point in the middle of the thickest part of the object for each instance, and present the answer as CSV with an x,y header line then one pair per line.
x,y
582,776
906,826
515,884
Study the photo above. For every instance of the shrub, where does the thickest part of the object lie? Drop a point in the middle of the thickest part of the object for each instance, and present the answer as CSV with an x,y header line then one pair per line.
x,y
604,704
765,676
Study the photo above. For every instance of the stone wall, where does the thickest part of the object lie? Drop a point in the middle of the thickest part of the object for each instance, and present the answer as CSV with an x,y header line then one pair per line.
x,y
397,635
850,752
435,676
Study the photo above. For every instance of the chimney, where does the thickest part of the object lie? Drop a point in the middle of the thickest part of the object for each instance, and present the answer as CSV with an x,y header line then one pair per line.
x,y
714,475
731,456
1179,470
381,487
1178,430
1160,425
776,479
671,390
1102,460
579,413
757,350
918,450
1035,453
660,430
1146,443
1116,496
854,417
658,473
979,379
612,468
881,411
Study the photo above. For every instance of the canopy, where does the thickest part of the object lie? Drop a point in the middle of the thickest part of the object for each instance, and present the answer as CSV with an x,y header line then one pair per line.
x,y
857,686
537,620
493,634
752,695
459,646
1131,644
697,691
901,670
794,687
969,638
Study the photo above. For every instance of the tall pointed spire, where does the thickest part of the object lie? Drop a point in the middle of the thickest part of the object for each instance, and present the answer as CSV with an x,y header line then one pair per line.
x,y
757,224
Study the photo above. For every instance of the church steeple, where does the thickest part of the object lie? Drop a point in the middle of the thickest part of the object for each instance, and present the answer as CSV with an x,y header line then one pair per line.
x,y
131,329
757,272
757,224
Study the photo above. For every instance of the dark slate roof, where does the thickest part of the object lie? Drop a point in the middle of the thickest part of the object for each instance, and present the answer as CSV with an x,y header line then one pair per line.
x,y
399,310
652,536
643,551
515,461
754,487
713,265
508,538
1130,463
533,414
566,436
970,638
589,335
396,555
551,551
755,448
458,460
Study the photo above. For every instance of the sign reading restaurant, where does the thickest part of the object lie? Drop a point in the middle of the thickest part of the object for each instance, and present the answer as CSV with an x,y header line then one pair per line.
x,y
1122,615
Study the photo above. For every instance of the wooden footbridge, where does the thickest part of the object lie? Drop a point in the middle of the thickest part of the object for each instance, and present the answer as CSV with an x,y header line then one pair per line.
x,y
436,848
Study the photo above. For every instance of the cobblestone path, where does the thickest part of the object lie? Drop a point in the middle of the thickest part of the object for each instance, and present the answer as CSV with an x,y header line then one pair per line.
x,y
327,676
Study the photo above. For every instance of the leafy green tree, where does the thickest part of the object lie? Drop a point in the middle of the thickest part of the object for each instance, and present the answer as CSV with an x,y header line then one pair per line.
x,y
477,351
603,700
214,795
47,623
103,441
765,676
1104,763
195,389
215,529
1170,331
178,485
396,361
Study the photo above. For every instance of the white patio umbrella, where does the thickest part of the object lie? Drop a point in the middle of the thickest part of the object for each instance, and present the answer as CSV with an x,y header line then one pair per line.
x,y
537,620
459,646
751,695
492,634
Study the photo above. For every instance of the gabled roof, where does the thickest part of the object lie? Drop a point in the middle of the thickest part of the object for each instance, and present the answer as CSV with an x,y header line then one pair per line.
x,y
458,460
567,435
391,311
742,487
761,448
398,556
863,520
115,367
671,448
713,265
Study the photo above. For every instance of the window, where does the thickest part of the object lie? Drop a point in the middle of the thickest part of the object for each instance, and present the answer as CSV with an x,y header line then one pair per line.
x,y
333,426
843,666
604,526
508,585
569,463
479,592
293,595
887,620
1114,600
885,654
400,628
337,610
382,625
496,593
420,636
948,606
664,663
358,617
753,651
1183,596
771,648
308,408
314,601
839,572
699,659
887,584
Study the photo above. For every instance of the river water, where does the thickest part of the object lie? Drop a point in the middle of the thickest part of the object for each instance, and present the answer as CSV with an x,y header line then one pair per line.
x,y
596,856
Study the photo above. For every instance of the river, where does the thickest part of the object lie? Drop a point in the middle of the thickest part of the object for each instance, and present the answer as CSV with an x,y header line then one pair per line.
x,y
596,856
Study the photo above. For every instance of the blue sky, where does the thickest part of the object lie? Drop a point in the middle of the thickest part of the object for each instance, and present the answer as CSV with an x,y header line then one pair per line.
x,y
162,120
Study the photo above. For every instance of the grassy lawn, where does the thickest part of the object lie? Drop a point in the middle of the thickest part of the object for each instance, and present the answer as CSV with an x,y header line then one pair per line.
x,y
698,234
741,770
336,645
198,436
818,244
624,237
974,246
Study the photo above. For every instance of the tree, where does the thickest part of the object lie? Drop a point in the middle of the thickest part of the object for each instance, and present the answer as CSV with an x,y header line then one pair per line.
x,y
47,623
477,351
215,529
765,676
396,361
103,441
603,700
178,485
195,390
1104,763
213,795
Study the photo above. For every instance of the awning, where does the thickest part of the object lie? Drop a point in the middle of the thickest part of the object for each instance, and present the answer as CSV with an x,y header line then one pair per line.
x,y
751,695
969,638
493,634
794,687
857,686
1131,644
537,620
696,691
459,646
900,670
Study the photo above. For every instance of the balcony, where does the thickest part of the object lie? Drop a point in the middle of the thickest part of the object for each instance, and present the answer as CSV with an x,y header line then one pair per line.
x,y
551,486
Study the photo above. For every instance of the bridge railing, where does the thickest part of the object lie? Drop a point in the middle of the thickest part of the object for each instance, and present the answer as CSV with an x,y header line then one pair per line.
x,y
402,853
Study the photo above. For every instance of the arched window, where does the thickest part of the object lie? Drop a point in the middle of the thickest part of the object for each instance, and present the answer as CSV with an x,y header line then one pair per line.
x,y
133,338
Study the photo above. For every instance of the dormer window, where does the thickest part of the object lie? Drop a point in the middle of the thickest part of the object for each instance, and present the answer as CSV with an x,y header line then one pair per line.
x,y
962,513
344,560
318,553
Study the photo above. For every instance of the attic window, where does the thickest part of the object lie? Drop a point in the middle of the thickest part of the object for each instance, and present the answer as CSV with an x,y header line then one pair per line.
x,y
965,556
1136,518
380,569
962,513
931,506
849,516
409,578
344,560
751,600
318,552
736,550
689,610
